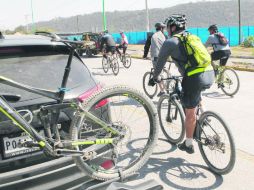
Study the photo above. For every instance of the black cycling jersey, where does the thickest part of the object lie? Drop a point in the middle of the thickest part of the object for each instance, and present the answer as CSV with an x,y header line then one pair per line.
x,y
108,40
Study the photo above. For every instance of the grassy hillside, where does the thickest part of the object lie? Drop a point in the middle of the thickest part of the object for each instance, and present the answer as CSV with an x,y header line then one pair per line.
x,y
199,14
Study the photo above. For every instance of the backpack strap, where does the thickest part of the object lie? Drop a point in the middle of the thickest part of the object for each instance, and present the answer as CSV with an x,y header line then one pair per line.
x,y
183,40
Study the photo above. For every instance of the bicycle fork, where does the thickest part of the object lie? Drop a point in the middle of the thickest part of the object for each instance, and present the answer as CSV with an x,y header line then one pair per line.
x,y
20,122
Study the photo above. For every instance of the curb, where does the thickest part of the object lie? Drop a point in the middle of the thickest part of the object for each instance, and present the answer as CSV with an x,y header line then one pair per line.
x,y
242,57
238,68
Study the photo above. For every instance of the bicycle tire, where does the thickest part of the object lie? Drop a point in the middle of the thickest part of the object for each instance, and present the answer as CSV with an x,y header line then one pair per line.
x,y
145,153
147,76
163,117
115,66
105,64
89,52
126,60
205,121
224,87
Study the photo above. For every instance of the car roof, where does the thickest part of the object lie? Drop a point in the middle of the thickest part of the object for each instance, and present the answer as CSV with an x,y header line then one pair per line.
x,y
27,40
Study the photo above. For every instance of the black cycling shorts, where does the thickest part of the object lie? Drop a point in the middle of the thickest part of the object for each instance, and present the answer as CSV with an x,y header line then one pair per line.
x,y
221,55
192,87
111,49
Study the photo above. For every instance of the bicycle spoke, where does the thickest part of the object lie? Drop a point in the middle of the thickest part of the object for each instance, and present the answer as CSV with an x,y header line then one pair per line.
x,y
129,116
171,120
229,82
215,144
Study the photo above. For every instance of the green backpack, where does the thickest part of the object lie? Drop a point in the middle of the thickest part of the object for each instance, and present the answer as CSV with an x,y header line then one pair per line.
x,y
198,57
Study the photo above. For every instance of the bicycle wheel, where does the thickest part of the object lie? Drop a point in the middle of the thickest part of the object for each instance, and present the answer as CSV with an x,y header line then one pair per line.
x,y
216,143
126,59
134,116
171,118
229,80
105,64
115,66
150,91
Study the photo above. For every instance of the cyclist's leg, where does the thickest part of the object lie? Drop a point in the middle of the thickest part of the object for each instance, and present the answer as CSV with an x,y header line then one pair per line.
x,y
190,99
224,57
161,86
215,56
117,49
192,87
106,52
125,48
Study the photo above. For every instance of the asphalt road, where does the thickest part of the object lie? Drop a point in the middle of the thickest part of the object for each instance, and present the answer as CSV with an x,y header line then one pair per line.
x,y
177,170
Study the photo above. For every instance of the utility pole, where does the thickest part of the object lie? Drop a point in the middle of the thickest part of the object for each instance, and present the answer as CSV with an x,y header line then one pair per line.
x,y
147,18
26,20
239,19
104,16
32,13
77,24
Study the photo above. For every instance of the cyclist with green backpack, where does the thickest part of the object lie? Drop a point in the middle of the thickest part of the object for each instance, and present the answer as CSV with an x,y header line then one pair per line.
x,y
194,64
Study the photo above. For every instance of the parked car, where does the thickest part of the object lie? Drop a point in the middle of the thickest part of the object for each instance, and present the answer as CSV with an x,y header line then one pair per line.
x,y
37,61
91,45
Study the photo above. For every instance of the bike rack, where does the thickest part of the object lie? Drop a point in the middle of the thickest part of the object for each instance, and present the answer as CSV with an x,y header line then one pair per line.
x,y
114,184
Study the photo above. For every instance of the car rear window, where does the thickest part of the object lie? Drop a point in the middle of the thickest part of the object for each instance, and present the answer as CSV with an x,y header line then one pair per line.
x,y
44,71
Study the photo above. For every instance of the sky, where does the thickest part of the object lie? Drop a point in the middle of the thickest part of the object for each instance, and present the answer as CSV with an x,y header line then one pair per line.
x,y
14,13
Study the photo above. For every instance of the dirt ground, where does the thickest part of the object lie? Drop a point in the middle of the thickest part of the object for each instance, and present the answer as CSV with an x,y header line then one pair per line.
x,y
236,51
244,63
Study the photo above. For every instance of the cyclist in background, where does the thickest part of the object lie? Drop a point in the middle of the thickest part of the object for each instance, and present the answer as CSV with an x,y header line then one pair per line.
x,y
221,49
124,43
195,79
109,42
157,40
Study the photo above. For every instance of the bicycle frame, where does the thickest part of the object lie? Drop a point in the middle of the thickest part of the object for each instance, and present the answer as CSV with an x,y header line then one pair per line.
x,y
20,122
176,95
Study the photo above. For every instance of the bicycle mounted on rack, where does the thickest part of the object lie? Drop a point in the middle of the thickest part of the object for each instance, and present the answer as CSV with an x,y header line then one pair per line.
x,y
90,136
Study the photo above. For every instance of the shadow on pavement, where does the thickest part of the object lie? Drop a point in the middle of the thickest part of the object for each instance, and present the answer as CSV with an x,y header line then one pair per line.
x,y
92,57
216,95
180,174
102,74
177,173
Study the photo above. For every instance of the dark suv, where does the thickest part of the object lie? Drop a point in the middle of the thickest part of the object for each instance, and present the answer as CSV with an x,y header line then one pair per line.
x,y
37,61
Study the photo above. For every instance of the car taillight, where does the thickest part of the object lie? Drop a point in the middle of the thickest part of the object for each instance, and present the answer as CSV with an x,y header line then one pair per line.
x,y
91,91
101,103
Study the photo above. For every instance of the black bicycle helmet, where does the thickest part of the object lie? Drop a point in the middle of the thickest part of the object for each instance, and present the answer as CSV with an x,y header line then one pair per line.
x,y
159,25
213,27
179,20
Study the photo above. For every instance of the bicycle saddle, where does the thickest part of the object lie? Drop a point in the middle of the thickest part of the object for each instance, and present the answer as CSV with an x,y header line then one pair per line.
x,y
11,97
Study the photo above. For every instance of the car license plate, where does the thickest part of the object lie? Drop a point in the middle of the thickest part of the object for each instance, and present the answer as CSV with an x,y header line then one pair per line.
x,y
11,148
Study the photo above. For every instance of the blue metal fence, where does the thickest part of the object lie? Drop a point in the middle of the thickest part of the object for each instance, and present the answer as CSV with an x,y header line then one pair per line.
x,y
232,33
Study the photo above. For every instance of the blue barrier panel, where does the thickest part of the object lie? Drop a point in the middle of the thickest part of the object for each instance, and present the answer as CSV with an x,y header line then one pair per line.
x,y
232,33
203,34
133,37
193,30
72,37
234,36
251,30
